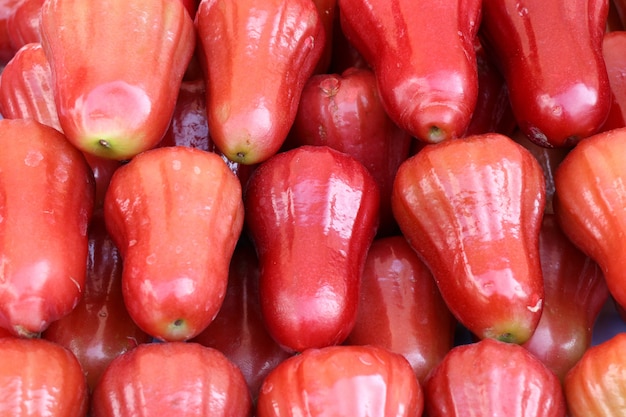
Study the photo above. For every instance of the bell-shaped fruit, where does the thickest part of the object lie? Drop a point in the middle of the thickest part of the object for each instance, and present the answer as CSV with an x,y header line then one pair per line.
x,y
493,378
472,209
428,92
312,213
355,381
558,83
171,379
117,68
175,213
46,202
257,55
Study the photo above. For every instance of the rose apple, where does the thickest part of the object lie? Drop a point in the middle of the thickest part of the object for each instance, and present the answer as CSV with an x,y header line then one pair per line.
x,y
99,328
558,83
492,378
46,202
472,209
575,291
23,23
26,90
100,54
257,55
432,99
312,213
589,202
238,330
175,213
401,308
595,386
39,378
344,111
356,381
180,379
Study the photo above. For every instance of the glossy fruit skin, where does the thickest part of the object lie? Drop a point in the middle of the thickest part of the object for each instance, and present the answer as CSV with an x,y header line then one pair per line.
x,y
26,89
472,210
613,45
26,92
433,99
492,378
344,111
589,203
595,386
99,328
46,201
39,378
23,23
256,55
401,308
312,213
171,379
354,381
575,291
238,330
107,104
551,108
175,213
7,8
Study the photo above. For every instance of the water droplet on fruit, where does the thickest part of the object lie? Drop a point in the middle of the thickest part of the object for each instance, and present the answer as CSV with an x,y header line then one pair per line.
x,y
132,242
196,169
176,165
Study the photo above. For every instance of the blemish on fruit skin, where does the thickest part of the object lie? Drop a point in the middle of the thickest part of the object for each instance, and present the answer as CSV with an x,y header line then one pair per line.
x,y
61,174
33,158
